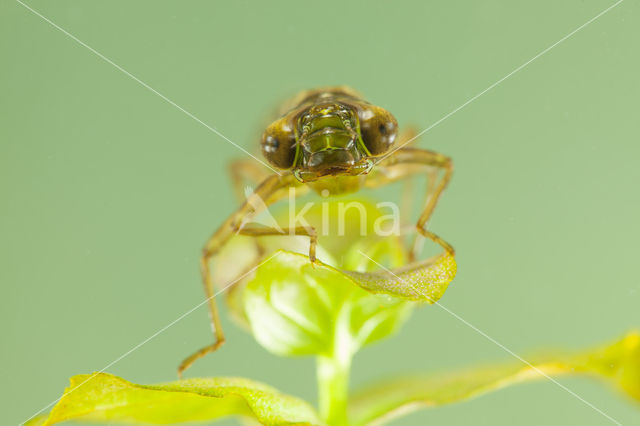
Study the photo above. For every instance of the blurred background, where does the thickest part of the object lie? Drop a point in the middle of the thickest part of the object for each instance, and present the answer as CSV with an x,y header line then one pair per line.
x,y
108,191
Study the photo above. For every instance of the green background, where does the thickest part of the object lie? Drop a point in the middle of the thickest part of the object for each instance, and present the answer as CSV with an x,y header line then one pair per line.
x,y
108,191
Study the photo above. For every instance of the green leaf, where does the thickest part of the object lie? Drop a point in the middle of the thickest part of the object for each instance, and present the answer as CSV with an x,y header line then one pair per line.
x,y
346,226
107,398
424,281
619,363
298,308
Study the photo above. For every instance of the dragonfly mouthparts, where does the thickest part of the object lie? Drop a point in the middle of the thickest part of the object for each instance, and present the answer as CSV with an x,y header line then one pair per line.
x,y
331,158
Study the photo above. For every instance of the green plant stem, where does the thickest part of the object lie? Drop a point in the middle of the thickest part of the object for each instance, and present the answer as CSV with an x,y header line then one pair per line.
x,y
333,388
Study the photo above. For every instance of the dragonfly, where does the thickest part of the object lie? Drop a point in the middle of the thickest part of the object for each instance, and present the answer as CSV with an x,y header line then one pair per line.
x,y
331,141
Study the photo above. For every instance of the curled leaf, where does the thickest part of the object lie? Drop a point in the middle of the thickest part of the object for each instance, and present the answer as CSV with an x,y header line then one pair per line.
x,y
298,308
107,398
424,281
345,226
618,363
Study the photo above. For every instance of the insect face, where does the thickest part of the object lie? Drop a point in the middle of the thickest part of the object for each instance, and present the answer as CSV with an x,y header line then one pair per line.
x,y
329,142
331,133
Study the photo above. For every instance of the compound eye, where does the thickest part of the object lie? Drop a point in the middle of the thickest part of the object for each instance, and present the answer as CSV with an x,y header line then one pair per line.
x,y
378,129
279,145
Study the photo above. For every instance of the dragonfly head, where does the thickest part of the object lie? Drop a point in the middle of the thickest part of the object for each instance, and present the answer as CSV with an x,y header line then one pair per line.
x,y
329,137
330,143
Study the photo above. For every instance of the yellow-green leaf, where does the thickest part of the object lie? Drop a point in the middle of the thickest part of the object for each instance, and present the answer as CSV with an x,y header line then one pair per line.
x,y
618,363
107,398
295,307
37,420
424,281
346,227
